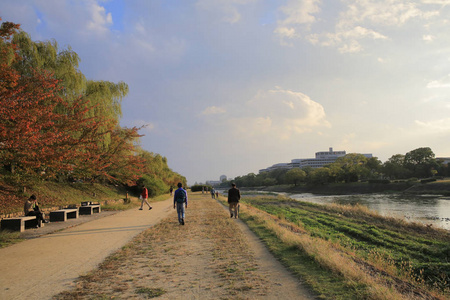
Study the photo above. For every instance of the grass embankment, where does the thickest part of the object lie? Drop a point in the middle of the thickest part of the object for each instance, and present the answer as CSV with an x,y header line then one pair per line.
x,y
63,194
51,194
352,253
208,258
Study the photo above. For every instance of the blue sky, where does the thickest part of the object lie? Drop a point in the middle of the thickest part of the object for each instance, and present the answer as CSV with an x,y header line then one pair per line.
x,y
233,86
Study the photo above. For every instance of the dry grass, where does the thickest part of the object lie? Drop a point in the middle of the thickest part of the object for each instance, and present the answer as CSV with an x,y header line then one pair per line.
x,y
206,258
379,282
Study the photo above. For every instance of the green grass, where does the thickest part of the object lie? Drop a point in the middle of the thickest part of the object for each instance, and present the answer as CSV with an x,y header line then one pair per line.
x,y
418,254
8,238
324,283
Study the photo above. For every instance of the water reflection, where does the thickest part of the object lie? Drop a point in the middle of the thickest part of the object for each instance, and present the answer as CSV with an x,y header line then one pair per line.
x,y
427,209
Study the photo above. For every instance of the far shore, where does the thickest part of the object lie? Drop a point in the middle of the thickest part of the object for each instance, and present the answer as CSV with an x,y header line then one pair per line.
x,y
441,187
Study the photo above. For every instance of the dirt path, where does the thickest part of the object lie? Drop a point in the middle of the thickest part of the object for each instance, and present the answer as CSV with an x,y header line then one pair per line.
x,y
42,267
211,257
139,254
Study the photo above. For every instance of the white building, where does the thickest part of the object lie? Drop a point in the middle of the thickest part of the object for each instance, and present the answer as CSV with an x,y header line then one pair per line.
x,y
322,159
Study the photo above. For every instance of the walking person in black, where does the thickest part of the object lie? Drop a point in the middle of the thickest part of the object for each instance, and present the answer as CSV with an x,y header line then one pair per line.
x,y
180,202
234,195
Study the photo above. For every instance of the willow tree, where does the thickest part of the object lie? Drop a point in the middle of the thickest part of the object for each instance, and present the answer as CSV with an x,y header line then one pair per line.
x,y
45,55
106,100
104,97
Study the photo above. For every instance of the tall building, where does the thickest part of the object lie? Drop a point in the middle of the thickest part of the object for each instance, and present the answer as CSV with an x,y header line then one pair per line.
x,y
322,159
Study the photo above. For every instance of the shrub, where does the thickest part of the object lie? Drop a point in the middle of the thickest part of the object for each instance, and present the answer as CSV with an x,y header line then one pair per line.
x,y
155,186
199,187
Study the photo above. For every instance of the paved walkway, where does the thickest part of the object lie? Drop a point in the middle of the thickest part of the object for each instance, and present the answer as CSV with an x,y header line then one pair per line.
x,y
42,267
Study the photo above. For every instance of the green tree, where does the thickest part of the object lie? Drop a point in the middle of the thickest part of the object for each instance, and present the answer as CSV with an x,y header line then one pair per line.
x,y
319,176
295,176
353,166
395,168
421,162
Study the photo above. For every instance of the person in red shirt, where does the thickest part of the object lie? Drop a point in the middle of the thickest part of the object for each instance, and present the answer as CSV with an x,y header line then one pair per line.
x,y
144,196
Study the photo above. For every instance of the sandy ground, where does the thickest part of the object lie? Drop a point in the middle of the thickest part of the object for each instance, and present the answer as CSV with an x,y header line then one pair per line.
x,y
50,264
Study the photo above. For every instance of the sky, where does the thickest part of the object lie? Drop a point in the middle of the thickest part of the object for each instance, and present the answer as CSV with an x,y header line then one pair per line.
x,y
229,87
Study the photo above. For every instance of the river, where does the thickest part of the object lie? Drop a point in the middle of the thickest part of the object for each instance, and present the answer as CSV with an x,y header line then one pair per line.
x,y
427,209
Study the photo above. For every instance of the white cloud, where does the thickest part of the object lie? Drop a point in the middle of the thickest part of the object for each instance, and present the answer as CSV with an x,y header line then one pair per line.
x,y
99,19
361,20
441,83
428,38
439,126
227,9
214,110
441,2
296,13
280,114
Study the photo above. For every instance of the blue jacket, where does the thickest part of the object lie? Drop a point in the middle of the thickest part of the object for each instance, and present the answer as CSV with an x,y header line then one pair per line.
x,y
179,190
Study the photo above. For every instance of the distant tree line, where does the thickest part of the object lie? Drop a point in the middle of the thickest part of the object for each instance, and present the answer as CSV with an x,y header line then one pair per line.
x,y
57,125
418,163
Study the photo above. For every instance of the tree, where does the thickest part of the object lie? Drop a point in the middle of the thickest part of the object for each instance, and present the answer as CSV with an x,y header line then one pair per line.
x,y
105,97
33,135
319,176
295,176
45,55
395,168
421,162
353,166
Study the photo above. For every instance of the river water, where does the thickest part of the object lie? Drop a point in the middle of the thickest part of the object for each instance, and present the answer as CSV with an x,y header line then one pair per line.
x,y
427,209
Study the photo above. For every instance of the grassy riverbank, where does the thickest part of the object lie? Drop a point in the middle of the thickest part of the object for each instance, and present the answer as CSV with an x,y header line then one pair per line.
x,y
350,252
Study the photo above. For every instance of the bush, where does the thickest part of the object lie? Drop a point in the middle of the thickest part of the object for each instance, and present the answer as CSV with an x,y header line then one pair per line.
x,y
155,186
199,187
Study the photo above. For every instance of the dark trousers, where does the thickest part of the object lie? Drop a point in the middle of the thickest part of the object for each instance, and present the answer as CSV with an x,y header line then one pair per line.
x,y
38,214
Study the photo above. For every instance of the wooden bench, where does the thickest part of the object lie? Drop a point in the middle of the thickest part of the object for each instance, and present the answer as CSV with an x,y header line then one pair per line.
x,y
20,223
89,209
63,214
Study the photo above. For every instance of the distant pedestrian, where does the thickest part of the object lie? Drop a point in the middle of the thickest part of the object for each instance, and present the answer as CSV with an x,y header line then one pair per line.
x,y
144,197
31,208
234,195
171,190
213,193
180,202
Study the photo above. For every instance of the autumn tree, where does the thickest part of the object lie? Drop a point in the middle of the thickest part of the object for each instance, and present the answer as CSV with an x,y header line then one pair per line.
x,y
55,122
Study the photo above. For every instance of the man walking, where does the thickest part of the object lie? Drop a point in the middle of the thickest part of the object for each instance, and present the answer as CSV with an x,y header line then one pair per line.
x,y
180,202
144,196
234,195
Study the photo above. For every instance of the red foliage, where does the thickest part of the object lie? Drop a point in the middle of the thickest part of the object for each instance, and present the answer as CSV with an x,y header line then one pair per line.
x,y
39,131
42,133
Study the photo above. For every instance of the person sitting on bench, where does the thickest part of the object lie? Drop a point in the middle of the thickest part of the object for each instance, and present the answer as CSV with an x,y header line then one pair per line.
x,y
31,208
